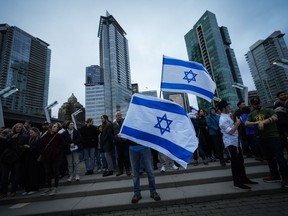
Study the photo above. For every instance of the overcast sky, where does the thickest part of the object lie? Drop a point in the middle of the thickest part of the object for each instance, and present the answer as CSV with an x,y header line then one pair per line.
x,y
154,28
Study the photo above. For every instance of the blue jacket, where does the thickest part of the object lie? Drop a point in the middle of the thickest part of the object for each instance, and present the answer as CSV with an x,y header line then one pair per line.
x,y
213,123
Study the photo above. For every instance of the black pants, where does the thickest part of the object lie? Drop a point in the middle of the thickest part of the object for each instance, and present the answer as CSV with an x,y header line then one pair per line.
x,y
123,159
10,172
218,146
52,171
237,164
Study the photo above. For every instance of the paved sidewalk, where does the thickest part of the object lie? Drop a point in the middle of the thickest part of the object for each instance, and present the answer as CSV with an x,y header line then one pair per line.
x,y
264,205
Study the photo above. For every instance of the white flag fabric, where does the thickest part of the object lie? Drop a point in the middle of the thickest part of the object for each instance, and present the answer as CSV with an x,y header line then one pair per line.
x,y
162,125
187,76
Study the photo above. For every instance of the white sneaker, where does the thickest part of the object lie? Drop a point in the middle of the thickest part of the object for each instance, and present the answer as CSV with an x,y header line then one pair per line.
x,y
31,192
163,169
24,193
46,191
77,178
70,178
53,191
174,167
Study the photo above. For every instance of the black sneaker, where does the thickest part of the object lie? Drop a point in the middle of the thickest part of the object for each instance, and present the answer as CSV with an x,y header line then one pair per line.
x,y
248,181
155,196
119,173
136,198
108,173
272,179
241,186
284,183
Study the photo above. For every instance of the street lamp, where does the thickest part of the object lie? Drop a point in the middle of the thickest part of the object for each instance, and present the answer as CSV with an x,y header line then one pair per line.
x,y
73,115
9,90
47,108
244,88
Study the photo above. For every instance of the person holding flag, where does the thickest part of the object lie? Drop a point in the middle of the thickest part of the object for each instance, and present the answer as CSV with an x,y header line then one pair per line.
x,y
159,124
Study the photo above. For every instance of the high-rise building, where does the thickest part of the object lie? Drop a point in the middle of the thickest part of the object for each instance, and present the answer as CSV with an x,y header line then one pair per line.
x,y
25,63
94,94
152,93
268,77
93,75
209,44
114,61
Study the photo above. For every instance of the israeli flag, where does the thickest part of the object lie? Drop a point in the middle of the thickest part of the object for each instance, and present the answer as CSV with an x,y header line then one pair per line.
x,y
187,76
162,125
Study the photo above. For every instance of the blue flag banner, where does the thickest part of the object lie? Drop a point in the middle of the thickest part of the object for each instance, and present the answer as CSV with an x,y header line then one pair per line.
x,y
162,125
187,76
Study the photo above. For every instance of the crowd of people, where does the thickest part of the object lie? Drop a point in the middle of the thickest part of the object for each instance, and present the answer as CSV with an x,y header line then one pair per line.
x,y
31,158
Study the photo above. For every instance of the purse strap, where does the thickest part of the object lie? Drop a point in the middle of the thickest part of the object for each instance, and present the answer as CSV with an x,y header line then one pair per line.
x,y
49,142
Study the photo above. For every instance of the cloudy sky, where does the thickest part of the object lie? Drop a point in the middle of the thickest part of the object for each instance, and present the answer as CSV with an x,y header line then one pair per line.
x,y
154,28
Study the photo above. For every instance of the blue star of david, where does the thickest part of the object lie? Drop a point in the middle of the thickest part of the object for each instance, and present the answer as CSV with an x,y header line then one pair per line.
x,y
168,122
187,73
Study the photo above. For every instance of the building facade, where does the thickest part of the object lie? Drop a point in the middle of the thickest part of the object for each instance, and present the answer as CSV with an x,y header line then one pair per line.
x,y
268,77
114,62
94,94
25,63
209,44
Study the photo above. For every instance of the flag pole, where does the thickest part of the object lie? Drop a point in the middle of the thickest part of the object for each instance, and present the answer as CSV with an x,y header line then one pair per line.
x,y
161,76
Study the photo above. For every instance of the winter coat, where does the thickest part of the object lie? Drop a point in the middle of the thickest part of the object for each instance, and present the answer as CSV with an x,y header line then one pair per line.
x,y
106,137
89,136
77,140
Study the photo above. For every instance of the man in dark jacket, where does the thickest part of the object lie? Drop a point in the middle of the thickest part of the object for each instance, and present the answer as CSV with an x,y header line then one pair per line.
x,y
282,114
121,146
89,135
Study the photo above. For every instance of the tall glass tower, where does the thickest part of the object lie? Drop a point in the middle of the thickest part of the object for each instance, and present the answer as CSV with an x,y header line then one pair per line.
x,y
25,63
114,61
268,77
94,94
209,44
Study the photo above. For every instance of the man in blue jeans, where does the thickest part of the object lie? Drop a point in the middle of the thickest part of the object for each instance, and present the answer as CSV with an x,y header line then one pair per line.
x,y
141,154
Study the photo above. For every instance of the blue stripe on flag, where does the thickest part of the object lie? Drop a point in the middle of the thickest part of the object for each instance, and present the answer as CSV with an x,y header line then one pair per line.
x,y
177,62
174,149
187,87
168,107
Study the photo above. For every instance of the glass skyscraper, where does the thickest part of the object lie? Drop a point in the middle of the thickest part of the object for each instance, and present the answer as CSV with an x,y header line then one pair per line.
x,y
209,44
25,63
94,94
114,62
268,77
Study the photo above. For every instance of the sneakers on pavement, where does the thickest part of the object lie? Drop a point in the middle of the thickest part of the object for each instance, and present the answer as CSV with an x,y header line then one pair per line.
x,y
119,173
272,179
46,191
53,191
241,186
136,198
248,181
31,192
155,196
77,178
69,179
107,173
284,183
174,167
128,172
